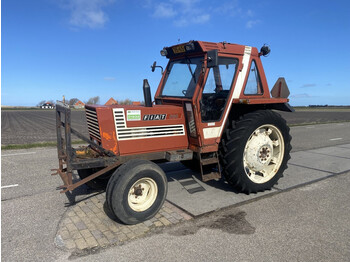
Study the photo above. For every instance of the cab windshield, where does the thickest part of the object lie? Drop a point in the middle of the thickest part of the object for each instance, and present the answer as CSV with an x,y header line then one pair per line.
x,y
182,76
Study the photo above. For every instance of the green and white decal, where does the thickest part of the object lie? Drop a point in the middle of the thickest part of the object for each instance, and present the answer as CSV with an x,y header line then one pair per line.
x,y
133,115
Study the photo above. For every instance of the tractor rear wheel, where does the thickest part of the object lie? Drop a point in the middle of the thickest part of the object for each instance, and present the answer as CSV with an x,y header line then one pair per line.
x,y
255,150
136,191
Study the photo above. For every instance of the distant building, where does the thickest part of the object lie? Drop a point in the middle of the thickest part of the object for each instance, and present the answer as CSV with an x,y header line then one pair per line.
x,y
47,105
79,104
111,101
136,103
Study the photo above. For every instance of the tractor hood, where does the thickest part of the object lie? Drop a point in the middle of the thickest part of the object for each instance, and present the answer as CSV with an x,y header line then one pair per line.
x,y
128,130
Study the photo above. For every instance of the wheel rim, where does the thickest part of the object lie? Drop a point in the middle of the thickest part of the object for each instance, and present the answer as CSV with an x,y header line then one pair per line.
x,y
142,194
263,154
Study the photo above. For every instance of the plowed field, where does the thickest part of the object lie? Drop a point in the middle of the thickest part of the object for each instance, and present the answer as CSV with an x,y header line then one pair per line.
x,y
33,126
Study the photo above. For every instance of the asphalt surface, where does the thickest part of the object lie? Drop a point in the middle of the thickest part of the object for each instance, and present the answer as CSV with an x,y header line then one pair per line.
x,y
310,223
307,223
33,126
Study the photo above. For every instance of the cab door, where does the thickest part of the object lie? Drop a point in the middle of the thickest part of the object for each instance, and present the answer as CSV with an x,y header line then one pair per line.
x,y
213,99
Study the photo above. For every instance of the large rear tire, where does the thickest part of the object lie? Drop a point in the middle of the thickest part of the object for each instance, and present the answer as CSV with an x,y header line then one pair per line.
x,y
136,191
254,151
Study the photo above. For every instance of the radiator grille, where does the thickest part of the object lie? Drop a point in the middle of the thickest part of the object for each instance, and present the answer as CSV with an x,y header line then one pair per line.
x,y
128,133
92,123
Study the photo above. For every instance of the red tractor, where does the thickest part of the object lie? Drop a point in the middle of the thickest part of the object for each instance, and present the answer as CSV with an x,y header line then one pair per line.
x,y
212,111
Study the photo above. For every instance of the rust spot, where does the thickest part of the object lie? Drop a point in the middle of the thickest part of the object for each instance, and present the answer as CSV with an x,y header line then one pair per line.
x,y
106,136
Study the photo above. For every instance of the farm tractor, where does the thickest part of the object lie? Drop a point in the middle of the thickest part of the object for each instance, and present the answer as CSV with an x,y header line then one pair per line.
x,y
212,111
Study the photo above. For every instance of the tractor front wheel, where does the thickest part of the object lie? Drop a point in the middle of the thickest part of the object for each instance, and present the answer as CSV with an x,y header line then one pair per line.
x,y
136,191
255,150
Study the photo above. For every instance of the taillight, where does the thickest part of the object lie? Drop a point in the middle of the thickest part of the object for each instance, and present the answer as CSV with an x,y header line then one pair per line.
x,y
190,119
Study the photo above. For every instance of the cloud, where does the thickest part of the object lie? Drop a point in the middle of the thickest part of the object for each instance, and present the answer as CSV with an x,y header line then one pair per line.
x,y
183,12
164,10
304,95
251,23
308,85
109,78
87,13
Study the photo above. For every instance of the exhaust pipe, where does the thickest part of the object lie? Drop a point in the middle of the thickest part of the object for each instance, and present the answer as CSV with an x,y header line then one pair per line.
x,y
147,93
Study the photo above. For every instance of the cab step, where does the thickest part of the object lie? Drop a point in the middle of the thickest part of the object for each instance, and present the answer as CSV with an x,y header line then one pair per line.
x,y
209,166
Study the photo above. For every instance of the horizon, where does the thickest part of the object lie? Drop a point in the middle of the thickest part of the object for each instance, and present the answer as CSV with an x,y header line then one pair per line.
x,y
81,49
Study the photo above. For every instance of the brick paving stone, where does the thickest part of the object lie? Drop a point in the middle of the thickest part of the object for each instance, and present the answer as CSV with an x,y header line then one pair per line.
x,y
125,230
122,237
81,243
176,215
113,228
95,209
71,214
80,225
76,208
131,235
102,227
76,235
103,241
109,235
81,214
97,234
71,227
101,215
91,226
85,209
86,225
164,221
91,241
158,224
70,244
99,205
147,223
167,210
95,200
167,215
86,233
173,220
75,219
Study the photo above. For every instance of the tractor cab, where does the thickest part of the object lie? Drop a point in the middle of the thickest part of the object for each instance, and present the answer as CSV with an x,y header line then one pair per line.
x,y
206,79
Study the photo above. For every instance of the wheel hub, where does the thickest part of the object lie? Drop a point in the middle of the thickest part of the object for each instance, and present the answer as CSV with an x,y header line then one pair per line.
x,y
142,194
259,151
263,153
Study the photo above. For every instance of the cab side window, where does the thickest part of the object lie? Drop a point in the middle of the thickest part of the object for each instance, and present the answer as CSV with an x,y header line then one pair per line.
x,y
253,86
217,89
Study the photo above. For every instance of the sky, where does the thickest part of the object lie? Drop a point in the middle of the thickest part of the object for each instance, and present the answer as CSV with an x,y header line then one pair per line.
x,y
86,48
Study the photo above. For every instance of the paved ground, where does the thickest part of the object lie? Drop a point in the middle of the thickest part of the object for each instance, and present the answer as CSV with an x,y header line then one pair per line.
x,y
32,126
308,223
34,220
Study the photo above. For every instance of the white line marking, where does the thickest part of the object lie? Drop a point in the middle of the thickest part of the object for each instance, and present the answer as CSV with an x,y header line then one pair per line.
x,y
18,154
9,186
310,127
334,139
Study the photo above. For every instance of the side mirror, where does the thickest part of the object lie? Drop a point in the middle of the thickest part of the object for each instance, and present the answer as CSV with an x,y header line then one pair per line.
x,y
154,65
213,58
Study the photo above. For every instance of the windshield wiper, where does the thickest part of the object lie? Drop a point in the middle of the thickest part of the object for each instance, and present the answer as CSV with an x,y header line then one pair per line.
x,y
189,67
